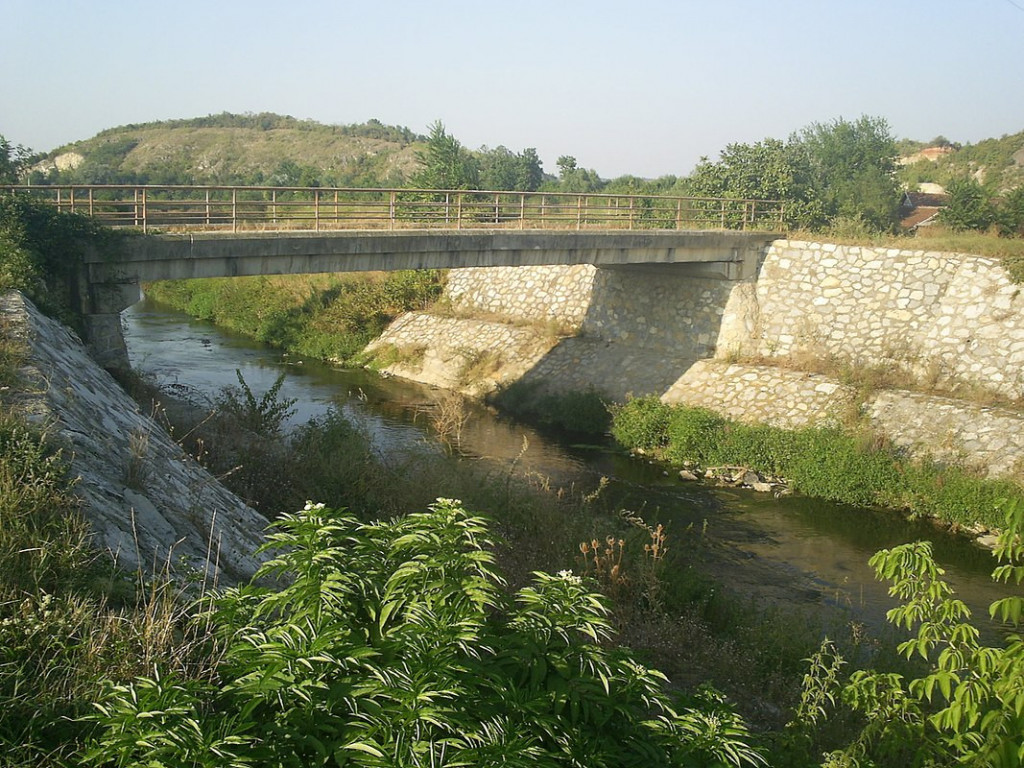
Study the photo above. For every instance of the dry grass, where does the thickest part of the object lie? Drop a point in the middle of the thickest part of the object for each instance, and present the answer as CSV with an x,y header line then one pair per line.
x,y
867,378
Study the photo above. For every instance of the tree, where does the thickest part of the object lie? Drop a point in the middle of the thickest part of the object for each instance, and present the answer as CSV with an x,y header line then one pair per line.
x,y
1011,213
13,159
826,173
444,163
969,206
852,170
503,169
765,170
571,178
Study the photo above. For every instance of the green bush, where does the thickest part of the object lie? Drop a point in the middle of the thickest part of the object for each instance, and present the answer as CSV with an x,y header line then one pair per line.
x,y
695,434
641,422
40,253
393,644
822,462
831,464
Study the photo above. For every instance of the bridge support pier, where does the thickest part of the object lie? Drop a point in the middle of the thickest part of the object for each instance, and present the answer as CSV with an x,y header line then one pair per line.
x,y
101,311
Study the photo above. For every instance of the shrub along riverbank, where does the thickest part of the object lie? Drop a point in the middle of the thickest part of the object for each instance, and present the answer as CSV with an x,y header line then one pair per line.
x,y
329,317
854,467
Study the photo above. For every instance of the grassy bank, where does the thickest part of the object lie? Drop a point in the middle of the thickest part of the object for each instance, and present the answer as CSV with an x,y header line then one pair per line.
x,y
330,317
69,621
855,467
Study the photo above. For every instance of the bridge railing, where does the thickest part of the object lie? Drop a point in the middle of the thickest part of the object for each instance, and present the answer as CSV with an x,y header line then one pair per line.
x,y
181,208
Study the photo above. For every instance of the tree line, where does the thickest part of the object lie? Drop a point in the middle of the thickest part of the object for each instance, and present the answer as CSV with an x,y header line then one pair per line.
x,y
840,176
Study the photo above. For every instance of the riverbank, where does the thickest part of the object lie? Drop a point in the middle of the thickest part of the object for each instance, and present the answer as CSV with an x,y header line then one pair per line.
x,y
917,353
65,646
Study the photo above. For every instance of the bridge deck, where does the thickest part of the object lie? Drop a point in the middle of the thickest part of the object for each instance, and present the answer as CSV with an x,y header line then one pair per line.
x,y
184,256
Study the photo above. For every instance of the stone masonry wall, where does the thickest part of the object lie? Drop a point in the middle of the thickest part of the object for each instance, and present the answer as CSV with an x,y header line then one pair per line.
x,y
951,317
948,316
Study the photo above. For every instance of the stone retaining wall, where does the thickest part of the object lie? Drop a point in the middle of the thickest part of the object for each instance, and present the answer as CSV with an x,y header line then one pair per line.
x,y
940,316
946,318
148,504
763,394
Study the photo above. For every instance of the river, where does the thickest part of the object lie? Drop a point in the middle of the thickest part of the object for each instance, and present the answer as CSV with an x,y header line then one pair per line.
x,y
791,551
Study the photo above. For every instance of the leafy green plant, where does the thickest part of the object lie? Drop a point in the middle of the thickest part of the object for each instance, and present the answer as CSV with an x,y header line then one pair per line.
x,y
642,422
264,415
394,644
694,434
967,708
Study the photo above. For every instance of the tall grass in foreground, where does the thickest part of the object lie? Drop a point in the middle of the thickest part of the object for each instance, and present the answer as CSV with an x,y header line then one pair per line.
x,y
68,618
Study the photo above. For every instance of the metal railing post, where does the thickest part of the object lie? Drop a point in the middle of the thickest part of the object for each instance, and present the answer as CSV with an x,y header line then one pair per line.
x,y
596,209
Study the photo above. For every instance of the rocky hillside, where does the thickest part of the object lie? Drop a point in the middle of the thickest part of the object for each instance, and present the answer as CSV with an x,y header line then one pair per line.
x,y
996,163
237,149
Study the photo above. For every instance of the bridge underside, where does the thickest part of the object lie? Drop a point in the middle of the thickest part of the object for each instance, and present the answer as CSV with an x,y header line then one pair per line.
x,y
112,282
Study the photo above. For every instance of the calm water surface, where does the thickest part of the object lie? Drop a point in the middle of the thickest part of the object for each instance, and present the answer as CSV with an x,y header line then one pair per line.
x,y
791,551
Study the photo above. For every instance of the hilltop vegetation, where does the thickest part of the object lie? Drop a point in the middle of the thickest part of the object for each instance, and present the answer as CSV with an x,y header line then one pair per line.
x,y
842,178
236,149
997,164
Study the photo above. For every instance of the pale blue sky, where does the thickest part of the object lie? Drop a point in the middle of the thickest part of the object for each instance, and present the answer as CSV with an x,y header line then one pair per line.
x,y
632,86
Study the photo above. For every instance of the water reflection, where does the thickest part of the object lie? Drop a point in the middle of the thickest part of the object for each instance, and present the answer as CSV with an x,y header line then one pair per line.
x,y
792,551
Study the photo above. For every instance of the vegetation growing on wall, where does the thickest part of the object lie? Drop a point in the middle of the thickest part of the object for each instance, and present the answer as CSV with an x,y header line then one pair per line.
x,y
40,250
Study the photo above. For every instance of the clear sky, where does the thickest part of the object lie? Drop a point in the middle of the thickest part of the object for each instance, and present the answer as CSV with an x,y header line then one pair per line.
x,y
626,86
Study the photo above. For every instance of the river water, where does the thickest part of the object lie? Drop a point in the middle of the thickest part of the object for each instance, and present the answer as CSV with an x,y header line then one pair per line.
x,y
791,551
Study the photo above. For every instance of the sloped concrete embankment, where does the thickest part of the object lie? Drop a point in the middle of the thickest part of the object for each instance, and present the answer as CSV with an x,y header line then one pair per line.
x,y
948,318
149,505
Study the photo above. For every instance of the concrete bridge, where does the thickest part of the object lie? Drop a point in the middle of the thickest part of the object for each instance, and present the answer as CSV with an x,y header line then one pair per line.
x,y
111,282
232,231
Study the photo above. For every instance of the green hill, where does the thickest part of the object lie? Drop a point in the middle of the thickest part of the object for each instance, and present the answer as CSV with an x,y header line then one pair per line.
x,y
237,149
